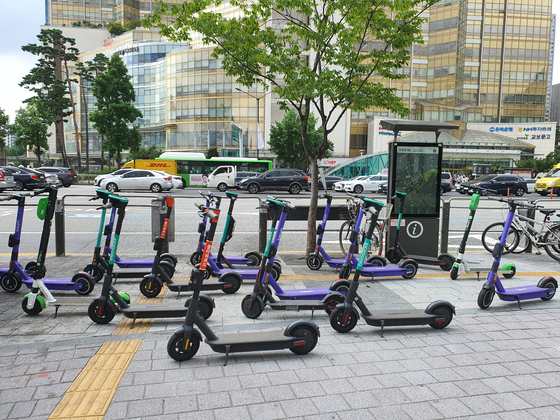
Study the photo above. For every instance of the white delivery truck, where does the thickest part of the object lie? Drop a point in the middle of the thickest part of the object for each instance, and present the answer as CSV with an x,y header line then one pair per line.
x,y
227,176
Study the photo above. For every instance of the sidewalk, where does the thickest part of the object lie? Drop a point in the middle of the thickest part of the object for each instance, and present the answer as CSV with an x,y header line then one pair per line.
x,y
499,363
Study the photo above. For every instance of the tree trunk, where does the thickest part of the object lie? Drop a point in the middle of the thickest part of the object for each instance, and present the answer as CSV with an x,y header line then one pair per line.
x,y
61,146
312,216
78,138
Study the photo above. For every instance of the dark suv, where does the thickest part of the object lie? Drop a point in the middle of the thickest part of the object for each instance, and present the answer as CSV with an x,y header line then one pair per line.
x,y
497,184
65,175
26,178
446,182
291,180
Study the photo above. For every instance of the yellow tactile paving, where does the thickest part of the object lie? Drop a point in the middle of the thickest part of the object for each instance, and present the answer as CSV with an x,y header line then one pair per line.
x,y
141,325
91,393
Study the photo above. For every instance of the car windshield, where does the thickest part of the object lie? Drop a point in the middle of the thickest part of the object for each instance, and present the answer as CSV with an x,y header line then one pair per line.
x,y
554,173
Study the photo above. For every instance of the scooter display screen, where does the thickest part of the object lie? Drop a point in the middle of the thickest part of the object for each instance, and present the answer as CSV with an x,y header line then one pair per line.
x,y
418,175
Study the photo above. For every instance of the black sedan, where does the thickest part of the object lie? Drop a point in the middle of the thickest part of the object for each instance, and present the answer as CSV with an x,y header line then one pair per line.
x,y
26,178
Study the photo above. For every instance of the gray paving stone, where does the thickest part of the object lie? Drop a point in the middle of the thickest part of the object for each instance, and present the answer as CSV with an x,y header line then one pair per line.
x,y
544,413
481,404
183,404
447,390
213,400
389,413
452,408
22,409
298,408
422,410
510,401
277,393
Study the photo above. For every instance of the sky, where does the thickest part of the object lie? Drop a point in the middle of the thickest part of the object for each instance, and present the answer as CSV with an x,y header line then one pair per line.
x,y
20,23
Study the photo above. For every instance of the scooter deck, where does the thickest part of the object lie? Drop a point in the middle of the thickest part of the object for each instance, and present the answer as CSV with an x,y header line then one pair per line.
x,y
304,294
389,271
400,317
297,305
140,263
513,294
245,273
208,284
55,284
154,310
251,341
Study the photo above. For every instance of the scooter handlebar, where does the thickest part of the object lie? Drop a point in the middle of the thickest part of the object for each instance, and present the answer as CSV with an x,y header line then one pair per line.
x,y
105,206
512,201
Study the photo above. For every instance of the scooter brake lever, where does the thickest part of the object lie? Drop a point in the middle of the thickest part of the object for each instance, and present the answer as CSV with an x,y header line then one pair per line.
x,y
105,206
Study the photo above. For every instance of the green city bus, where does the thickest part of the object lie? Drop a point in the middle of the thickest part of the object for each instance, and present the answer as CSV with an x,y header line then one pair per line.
x,y
194,168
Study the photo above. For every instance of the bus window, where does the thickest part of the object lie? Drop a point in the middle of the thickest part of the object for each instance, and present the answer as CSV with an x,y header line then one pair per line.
x,y
196,168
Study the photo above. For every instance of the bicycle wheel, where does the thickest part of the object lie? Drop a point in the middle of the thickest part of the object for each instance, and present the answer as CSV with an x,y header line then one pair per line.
x,y
523,244
344,233
552,240
492,234
376,245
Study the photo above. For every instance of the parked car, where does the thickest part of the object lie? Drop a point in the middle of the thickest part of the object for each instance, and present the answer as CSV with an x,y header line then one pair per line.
x,y
178,181
6,180
66,176
99,178
369,184
52,179
138,180
531,185
382,188
330,180
497,184
291,180
244,174
339,186
446,182
25,178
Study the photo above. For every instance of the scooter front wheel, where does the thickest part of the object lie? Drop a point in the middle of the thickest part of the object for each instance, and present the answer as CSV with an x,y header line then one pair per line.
x,y
331,301
485,298
176,349
95,272
253,258
308,334
36,310
101,317
345,272
150,287
196,257
393,255
252,308
11,283
454,274
314,262
344,325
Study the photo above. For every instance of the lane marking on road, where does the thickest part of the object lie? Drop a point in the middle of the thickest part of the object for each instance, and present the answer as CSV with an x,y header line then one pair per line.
x,y
91,393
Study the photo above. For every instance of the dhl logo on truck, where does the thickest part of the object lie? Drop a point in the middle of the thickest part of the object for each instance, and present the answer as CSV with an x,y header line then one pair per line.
x,y
159,165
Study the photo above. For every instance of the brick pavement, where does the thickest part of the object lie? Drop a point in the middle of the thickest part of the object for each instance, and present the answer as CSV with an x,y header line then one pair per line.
x,y
502,363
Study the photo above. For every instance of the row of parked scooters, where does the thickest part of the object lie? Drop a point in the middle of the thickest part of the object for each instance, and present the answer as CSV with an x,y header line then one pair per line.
x,y
341,300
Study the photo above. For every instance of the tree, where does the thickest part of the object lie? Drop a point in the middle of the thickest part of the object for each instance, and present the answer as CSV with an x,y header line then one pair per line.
x,y
212,152
15,150
327,58
285,140
115,28
31,127
4,123
87,73
45,79
114,94
151,152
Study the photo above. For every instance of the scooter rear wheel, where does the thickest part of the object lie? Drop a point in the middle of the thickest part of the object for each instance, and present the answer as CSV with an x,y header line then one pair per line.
x,y
85,281
36,310
150,287
410,266
168,268
252,308
310,336
485,298
253,258
446,262
341,325
444,311
548,283
232,282
331,301
393,255
345,272
108,313
176,350
11,283
205,309
95,272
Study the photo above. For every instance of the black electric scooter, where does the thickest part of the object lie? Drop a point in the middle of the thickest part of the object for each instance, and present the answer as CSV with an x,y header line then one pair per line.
x,y
396,252
300,336
343,319
104,308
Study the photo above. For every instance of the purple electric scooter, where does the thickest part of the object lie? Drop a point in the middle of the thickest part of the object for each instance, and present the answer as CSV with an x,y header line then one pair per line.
x,y
293,299
545,288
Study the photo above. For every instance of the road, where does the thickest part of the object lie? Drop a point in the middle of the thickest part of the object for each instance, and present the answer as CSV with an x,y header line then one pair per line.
x,y
82,221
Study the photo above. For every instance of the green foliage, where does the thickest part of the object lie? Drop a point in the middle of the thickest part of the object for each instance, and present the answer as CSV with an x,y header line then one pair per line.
x,y
129,25
114,109
86,24
151,152
31,127
212,152
115,28
4,122
15,150
539,165
286,140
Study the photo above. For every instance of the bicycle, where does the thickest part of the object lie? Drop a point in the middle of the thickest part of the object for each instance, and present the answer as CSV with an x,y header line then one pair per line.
x,y
523,234
346,229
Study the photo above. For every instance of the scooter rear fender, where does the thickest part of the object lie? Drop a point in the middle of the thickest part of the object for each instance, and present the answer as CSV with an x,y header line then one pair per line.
x,y
298,323
437,303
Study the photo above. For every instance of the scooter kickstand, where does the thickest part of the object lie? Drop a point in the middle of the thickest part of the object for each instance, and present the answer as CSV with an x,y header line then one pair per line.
x,y
227,354
133,319
518,302
56,310
382,327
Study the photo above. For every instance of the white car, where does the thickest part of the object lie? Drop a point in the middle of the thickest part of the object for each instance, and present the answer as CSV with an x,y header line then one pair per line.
x,y
51,178
369,184
178,182
339,186
138,179
99,178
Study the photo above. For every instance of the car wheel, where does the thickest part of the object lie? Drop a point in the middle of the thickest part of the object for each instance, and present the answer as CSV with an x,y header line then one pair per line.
x,y
18,186
222,187
519,191
358,189
294,189
253,188
441,190
156,188
111,186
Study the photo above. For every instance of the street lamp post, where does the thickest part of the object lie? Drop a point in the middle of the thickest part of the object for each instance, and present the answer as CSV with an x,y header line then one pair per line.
x,y
258,110
87,128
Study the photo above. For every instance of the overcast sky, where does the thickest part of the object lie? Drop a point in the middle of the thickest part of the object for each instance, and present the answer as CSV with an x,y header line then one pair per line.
x,y
20,22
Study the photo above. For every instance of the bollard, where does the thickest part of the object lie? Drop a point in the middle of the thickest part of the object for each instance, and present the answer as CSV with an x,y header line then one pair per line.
x,y
59,228
508,193
263,214
551,192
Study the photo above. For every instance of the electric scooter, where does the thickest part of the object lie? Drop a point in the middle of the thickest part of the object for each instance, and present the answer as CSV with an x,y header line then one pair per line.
x,y
460,265
229,280
344,317
293,299
251,258
377,264
396,252
10,280
300,336
545,288
40,296
103,309
99,265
